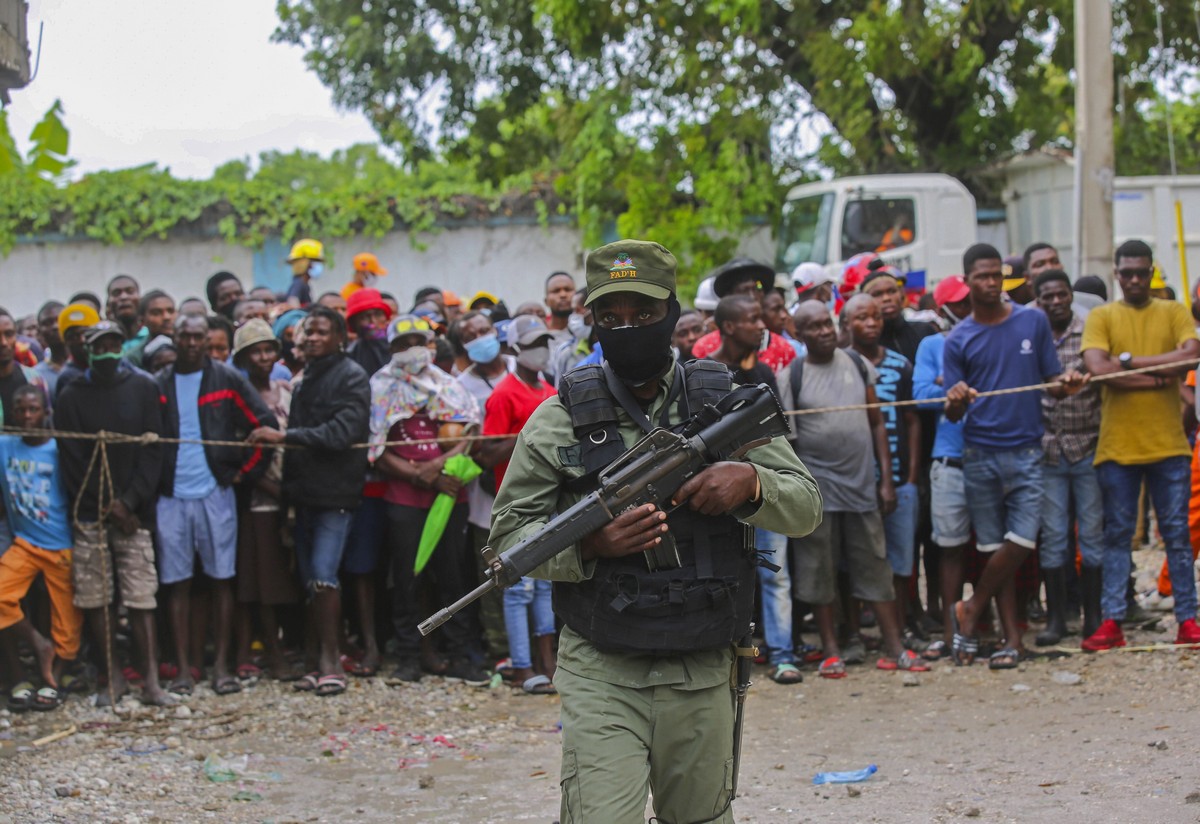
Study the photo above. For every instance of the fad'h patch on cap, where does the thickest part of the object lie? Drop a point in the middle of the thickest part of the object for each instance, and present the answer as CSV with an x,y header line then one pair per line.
x,y
638,266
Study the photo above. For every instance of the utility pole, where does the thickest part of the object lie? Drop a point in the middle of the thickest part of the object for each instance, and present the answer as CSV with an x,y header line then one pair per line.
x,y
1094,170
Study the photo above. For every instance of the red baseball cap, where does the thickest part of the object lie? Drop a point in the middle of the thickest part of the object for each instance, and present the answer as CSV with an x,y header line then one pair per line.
x,y
950,289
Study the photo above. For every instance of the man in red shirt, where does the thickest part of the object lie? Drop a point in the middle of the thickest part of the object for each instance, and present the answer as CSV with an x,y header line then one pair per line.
x,y
508,408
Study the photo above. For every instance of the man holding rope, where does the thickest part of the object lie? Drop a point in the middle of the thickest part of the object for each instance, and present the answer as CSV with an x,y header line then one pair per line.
x,y
114,493
1001,346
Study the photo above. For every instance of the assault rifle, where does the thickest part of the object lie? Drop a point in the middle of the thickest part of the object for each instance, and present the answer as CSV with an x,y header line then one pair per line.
x,y
650,472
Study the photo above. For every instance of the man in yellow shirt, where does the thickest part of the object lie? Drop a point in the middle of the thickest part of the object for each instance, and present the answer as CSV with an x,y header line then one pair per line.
x,y
1141,435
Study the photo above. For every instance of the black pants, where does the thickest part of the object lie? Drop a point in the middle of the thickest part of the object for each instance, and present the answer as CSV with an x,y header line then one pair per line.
x,y
449,569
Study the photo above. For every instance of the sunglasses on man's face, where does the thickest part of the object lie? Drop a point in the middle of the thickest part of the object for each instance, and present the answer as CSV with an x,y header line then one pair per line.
x,y
1135,274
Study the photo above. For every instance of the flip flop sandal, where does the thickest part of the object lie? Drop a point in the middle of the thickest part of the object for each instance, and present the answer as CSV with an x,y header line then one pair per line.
x,y
786,674
360,671
247,672
328,685
935,651
1004,659
908,661
855,652
227,685
810,654
832,667
47,699
20,697
306,683
963,648
539,685
181,688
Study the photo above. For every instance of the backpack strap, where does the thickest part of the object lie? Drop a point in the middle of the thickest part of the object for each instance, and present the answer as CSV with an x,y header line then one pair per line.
x,y
795,378
861,363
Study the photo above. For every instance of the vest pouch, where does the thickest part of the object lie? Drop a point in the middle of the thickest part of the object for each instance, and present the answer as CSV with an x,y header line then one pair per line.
x,y
704,604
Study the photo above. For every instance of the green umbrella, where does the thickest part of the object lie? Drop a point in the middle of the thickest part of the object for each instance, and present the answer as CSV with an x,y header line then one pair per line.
x,y
466,470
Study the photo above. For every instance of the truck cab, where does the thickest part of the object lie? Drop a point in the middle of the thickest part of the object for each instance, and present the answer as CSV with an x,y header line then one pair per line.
x,y
918,223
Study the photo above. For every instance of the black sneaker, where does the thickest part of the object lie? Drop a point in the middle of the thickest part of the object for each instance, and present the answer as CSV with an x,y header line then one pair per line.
x,y
461,669
407,671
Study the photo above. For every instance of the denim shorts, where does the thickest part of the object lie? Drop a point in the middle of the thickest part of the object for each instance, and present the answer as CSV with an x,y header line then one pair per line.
x,y
190,527
368,533
900,530
320,543
948,509
1004,493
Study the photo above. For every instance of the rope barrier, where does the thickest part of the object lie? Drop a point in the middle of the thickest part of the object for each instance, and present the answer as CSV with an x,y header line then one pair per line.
x,y
148,438
105,493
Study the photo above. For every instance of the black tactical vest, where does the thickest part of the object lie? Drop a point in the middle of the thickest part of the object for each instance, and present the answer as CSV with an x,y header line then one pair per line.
x,y
706,603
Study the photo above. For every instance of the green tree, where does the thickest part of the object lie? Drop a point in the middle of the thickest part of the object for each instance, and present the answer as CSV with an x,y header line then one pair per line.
x,y
681,118
49,143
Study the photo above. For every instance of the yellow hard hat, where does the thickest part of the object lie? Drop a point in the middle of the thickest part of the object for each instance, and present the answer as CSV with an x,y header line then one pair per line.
x,y
1157,281
307,249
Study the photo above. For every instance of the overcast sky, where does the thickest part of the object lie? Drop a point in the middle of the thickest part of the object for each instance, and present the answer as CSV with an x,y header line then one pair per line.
x,y
187,85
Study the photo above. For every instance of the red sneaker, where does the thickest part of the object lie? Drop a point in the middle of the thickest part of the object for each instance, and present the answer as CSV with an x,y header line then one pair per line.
x,y
1189,633
1109,636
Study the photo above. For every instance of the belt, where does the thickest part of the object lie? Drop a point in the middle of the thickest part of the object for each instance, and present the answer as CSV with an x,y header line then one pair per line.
x,y
953,463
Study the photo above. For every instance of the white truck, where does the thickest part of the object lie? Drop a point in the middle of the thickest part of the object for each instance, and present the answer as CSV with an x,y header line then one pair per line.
x,y
922,223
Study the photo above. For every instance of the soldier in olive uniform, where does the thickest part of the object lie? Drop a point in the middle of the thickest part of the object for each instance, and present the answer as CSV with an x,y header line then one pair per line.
x,y
646,657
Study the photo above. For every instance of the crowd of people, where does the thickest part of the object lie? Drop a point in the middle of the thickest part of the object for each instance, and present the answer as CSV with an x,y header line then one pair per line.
x,y
327,465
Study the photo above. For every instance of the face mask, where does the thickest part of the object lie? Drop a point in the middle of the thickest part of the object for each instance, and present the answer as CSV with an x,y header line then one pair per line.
x,y
104,366
536,358
412,360
483,349
640,354
953,318
578,329
369,281
315,269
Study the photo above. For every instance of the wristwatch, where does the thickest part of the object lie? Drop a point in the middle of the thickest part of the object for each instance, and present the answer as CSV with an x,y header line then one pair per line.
x,y
1126,360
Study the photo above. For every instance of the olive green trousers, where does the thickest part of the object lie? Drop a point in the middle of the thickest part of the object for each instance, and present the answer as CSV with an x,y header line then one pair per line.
x,y
621,743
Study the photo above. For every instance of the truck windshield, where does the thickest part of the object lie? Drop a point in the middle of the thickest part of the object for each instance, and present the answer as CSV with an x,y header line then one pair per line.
x,y
877,225
804,232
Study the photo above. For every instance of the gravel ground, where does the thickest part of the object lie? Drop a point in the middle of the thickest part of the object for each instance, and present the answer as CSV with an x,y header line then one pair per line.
x,y
1099,738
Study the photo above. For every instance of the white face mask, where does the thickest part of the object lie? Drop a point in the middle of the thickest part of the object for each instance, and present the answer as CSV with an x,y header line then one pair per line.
x,y
413,360
536,358
578,329
370,280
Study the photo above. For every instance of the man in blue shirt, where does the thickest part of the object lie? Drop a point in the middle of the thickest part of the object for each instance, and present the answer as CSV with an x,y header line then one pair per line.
x,y
37,510
949,516
204,399
1001,346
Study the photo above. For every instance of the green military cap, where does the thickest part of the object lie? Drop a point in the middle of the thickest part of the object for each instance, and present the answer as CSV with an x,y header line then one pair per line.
x,y
639,266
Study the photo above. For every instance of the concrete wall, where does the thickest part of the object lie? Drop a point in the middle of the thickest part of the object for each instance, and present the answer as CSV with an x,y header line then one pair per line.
x,y
510,260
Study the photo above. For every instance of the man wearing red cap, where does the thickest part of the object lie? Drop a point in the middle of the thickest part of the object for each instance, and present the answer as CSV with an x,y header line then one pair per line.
x,y
949,517
367,315
367,273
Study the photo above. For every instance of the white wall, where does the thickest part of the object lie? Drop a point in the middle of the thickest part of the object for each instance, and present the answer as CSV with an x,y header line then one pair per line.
x,y
36,272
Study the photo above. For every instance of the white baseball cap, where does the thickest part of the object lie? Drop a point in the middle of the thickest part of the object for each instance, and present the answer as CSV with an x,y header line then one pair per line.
x,y
809,276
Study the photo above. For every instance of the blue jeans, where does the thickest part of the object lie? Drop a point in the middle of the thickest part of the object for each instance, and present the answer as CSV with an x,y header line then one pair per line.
x,y
1169,483
1004,494
776,596
900,530
320,542
1063,482
517,599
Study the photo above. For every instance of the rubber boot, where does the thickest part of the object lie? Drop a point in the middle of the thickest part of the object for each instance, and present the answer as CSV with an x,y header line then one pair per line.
x,y
1091,582
1056,607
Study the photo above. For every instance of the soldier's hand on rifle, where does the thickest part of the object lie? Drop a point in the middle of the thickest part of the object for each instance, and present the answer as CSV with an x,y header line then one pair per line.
x,y
720,488
635,530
